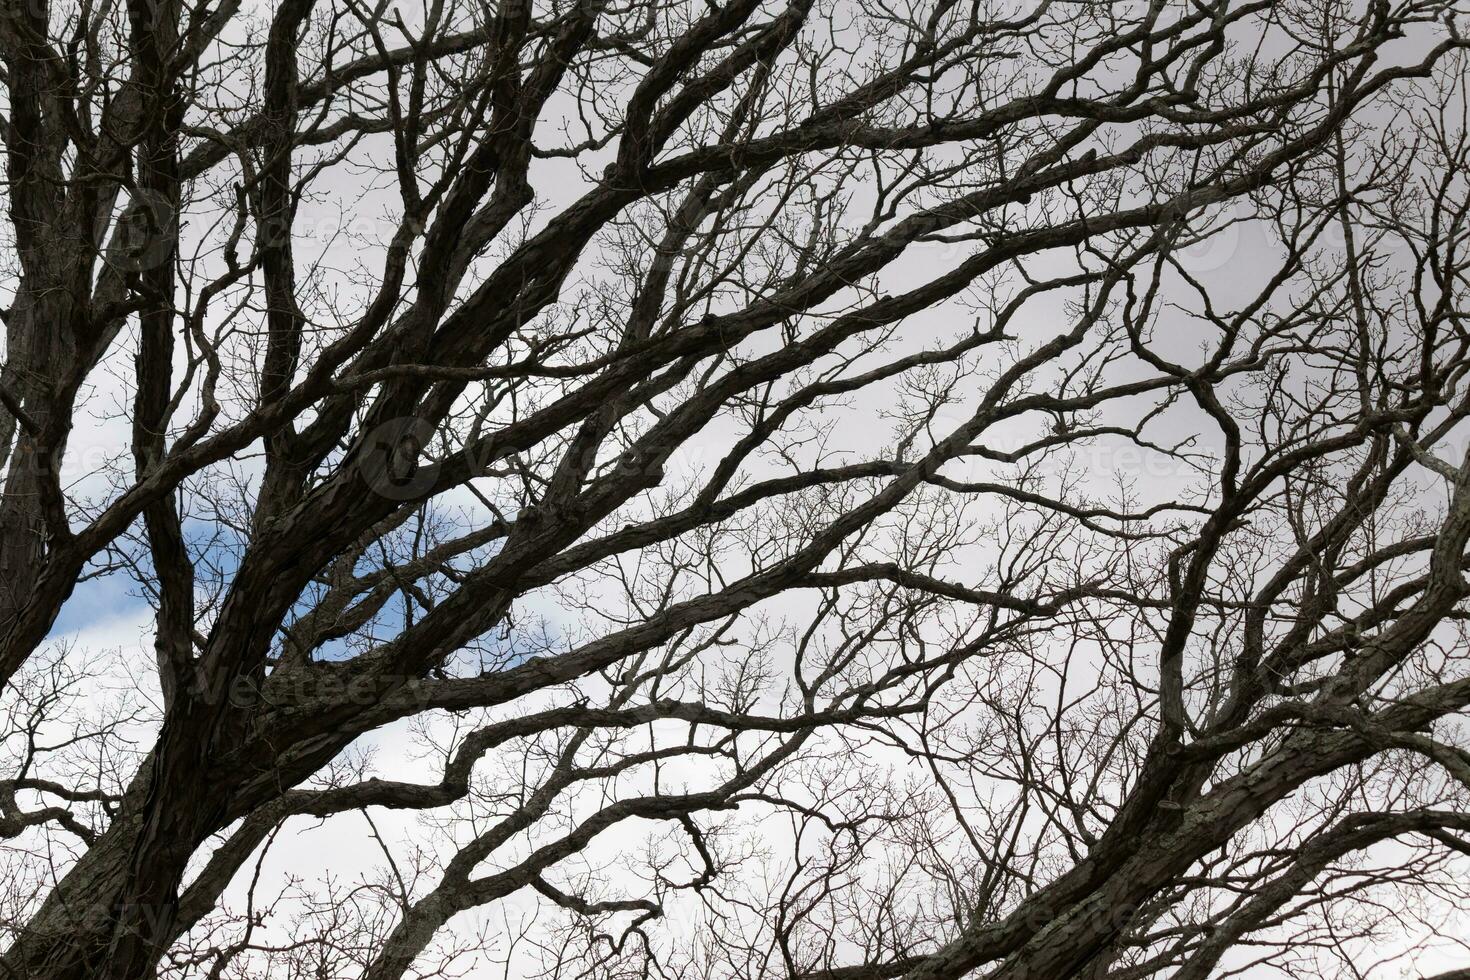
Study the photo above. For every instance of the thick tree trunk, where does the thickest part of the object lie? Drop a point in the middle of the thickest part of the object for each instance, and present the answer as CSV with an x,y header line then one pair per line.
x,y
38,352
68,937
115,912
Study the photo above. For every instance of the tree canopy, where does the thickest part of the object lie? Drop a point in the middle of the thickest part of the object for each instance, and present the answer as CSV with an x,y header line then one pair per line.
x,y
832,490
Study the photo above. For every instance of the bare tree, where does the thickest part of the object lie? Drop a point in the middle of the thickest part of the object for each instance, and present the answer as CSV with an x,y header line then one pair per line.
x,y
835,490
